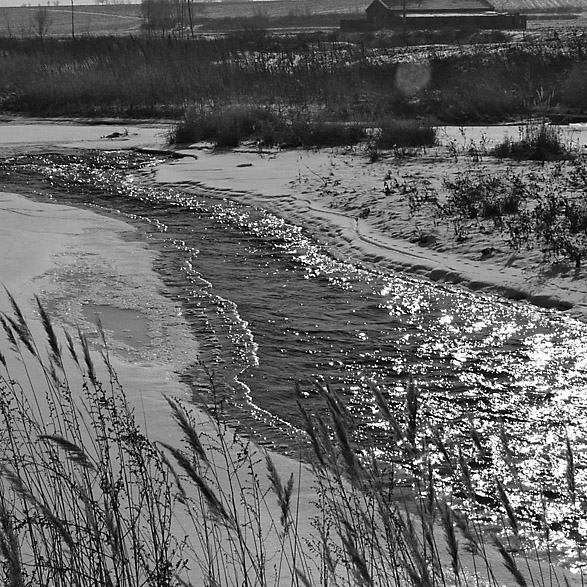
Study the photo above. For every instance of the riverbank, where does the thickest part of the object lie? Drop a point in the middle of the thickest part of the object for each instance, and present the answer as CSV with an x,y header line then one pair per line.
x,y
85,266
82,264
340,196
361,210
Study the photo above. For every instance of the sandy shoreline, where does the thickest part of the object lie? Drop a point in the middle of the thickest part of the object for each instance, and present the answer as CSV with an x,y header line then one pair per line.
x,y
339,196
67,257
81,263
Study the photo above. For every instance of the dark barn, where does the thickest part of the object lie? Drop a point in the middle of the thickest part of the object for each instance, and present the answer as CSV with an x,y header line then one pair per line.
x,y
435,15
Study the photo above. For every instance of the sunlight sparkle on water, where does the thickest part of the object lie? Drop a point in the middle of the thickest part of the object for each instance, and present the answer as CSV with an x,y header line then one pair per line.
x,y
541,350
508,365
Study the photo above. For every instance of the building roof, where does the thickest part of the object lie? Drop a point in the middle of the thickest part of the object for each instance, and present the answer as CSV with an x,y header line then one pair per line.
x,y
432,6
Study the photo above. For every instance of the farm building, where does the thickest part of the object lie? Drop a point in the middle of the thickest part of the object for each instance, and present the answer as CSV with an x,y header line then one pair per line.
x,y
435,15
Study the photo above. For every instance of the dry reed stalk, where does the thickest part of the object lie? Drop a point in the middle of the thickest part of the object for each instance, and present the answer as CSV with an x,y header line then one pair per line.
x,y
74,452
20,326
51,336
217,508
283,492
23,491
395,428
412,396
510,563
356,559
188,429
570,470
448,525
10,548
503,497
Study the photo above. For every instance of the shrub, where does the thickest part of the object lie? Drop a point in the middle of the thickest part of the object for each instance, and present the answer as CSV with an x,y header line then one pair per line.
x,y
478,197
229,127
405,133
560,226
573,92
538,142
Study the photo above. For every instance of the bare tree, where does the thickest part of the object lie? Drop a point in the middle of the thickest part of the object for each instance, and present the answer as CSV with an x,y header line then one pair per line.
x,y
159,15
8,25
193,8
41,21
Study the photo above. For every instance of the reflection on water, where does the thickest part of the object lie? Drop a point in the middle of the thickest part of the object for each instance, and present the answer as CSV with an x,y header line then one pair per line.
x,y
271,309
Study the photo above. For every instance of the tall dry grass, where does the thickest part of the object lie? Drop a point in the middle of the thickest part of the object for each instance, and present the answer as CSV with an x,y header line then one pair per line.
x,y
87,498
84,497
345,79
228,127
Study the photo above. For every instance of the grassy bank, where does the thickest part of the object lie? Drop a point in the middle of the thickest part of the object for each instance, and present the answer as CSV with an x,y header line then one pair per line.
x,y
342,80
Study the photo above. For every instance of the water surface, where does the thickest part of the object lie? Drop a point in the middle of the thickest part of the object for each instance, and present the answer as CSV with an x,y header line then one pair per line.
x,y
275,313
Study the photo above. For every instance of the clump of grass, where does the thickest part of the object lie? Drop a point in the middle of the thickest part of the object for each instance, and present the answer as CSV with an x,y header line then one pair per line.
x,y
405,133
317,133
228,127
537,142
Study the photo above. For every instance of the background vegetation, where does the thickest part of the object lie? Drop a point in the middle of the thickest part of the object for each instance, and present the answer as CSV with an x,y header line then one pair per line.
x,y
355,81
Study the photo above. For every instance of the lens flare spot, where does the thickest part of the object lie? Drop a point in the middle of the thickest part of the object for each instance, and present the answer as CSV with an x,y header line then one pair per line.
x,y
412,78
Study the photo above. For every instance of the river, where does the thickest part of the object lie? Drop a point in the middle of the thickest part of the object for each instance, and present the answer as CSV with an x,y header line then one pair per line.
x,y
277,315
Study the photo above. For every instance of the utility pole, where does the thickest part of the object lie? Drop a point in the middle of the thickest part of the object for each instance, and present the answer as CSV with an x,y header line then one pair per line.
x,y
72,22
190,18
